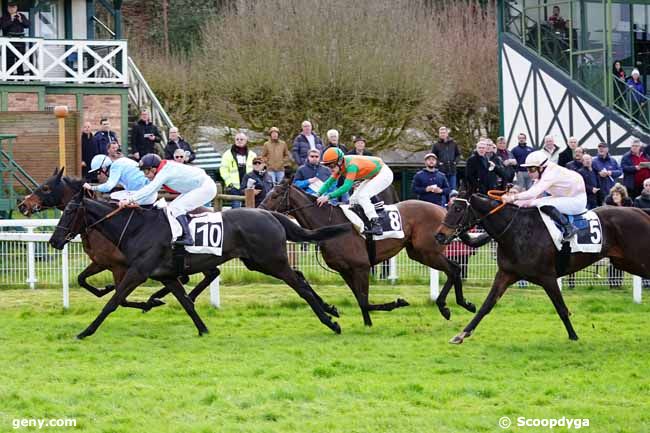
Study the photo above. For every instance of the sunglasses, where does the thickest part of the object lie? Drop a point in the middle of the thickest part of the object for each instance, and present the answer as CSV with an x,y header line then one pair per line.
x,y
532,169
257,163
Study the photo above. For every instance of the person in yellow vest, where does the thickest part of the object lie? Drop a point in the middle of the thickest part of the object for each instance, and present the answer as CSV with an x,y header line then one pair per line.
x,y
235,163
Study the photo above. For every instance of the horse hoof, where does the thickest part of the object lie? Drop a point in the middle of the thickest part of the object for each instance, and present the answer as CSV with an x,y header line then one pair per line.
x,y
573,337
456,340
470,307
336,328
81,336
402,302
155,302
333,311
446,313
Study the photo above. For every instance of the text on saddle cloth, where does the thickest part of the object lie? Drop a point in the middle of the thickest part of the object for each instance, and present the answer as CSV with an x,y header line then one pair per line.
x,y
390,220
588,240
206,229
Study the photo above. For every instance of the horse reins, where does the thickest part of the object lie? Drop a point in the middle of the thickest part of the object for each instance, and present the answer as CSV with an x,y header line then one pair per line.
x,y
494,195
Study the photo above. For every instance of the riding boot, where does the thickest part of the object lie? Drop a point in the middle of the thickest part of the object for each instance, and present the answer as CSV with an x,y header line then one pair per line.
x,y
186,237
375,228
568,229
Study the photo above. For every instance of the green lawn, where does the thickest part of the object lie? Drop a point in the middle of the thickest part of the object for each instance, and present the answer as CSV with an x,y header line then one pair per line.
x,y
268,365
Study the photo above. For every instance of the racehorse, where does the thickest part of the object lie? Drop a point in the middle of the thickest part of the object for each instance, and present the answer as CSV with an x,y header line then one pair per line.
x,y
348,254
56,192
258,238
526,250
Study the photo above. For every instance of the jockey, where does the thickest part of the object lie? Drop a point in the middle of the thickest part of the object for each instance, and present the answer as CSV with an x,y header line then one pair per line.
x,y
564,189
375,176
192,183
122,171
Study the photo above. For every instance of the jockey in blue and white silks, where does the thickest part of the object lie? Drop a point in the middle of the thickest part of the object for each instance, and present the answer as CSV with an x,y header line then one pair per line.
x,y
192,183
123,171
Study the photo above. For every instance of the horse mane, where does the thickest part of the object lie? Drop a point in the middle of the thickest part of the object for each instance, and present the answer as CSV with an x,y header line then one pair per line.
x,y
74,182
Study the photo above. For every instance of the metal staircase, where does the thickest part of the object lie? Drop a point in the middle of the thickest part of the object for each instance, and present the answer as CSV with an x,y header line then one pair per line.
x,y
11,176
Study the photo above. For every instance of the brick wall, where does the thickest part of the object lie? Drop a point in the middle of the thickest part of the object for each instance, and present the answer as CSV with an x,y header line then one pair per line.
x,y
36,148
98,106
22,101
69,101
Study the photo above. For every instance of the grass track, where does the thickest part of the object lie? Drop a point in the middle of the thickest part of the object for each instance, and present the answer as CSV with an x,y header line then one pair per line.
x,y
270,366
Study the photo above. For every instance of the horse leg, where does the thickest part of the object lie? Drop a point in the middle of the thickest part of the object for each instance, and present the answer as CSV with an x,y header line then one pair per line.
x,y
93,269
179,292
297,282
209,277
501,282
329,309
131,280
553,291
353,283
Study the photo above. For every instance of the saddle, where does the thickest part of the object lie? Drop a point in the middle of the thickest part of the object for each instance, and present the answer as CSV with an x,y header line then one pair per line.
x,y
589,238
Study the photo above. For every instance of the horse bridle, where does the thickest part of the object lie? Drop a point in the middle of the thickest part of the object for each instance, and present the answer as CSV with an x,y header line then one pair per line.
x,y
285,200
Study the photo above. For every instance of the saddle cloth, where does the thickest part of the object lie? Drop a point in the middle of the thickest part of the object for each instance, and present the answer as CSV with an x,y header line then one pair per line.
x,y
390,220
588,240
206,229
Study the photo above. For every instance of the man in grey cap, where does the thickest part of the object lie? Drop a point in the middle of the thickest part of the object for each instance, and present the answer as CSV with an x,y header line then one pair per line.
x,y
429,184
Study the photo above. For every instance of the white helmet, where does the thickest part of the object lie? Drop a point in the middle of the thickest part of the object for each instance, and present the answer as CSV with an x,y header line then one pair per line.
x,y
99,162
539,158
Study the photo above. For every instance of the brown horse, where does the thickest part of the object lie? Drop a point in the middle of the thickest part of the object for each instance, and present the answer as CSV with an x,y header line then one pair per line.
x,y
56,192
526,250
348,254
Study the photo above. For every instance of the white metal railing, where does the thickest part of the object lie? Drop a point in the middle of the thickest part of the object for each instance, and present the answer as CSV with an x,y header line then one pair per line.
x,y
64,61
27,259
141,96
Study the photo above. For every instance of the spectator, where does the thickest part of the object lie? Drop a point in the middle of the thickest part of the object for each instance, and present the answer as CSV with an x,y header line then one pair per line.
x,y
520,152
617,197
176,142
551,149
448,155
114,152
333,141
643,200
635,168
635,83
607,168
592,182
304,142
568,154
429,184
258,179
359,147
617,70
276,155
508,163
144,136
495,171
477,170
88,150
311,176
104,136
576,164
235,163
13,26
556,21
179,156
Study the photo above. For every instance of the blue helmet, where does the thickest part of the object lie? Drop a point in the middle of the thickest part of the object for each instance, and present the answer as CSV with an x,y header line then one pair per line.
x,y
149,160
99,162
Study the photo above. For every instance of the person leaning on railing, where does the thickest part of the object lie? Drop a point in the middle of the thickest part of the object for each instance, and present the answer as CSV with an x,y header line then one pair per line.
x,y
13,26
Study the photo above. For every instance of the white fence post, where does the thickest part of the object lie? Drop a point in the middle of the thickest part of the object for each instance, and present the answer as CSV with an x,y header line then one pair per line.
x,y
215,298
31,261
392,270
434,289
637,289
65,277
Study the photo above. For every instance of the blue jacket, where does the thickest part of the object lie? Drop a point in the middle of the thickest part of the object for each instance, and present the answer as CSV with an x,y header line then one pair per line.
x,y
638,86
629,170
306,172
181,178
300,148
125,172
520,152
609,164
102,139
592,180
425,178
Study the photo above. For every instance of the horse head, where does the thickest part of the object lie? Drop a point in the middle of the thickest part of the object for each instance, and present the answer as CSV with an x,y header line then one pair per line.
x,y
71,223
285,197
50,194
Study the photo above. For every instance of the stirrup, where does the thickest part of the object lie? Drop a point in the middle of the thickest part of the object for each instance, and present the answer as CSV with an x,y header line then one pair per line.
x,y
569,231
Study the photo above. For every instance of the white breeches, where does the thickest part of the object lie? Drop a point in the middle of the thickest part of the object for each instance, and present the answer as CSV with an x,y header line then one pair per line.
x,y
193,199
371,187
125,195
566,205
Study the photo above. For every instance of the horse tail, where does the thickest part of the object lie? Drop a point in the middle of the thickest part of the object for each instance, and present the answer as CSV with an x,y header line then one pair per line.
x,y
295,233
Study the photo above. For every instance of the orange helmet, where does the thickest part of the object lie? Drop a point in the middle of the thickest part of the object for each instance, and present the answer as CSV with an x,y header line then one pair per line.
x,y
332,155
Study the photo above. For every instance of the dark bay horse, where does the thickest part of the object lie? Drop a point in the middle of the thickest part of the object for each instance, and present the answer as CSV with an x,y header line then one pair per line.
x,y
56,192
348,254
258,238
526,250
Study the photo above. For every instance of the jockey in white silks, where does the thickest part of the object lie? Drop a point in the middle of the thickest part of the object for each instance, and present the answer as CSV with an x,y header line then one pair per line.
x,y
556,191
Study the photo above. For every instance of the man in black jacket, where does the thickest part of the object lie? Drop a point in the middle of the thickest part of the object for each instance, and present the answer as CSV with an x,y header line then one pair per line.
x,y
104,137
592,182
177,142
448,155
13,26
477,170
568,154
643,200
258,179
144,136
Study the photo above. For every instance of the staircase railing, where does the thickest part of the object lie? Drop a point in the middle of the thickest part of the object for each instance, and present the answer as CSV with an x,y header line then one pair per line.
x,y
11,172
141,96
632,103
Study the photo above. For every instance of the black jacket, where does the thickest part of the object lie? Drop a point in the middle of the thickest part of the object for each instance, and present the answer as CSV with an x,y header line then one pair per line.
x,y
14,28
102,139
172,146
139,142
448,155
642,201
263,183
592,180
477,174
566,156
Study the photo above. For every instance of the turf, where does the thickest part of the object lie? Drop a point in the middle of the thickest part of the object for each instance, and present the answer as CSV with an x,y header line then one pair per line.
x,y
268,365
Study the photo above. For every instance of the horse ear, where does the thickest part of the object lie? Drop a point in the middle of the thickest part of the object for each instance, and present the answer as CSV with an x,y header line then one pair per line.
x,y
59,174
56,170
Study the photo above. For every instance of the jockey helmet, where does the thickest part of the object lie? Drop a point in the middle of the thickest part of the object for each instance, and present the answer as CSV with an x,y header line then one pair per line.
x,y
332,155
539,158
99,162
149,160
